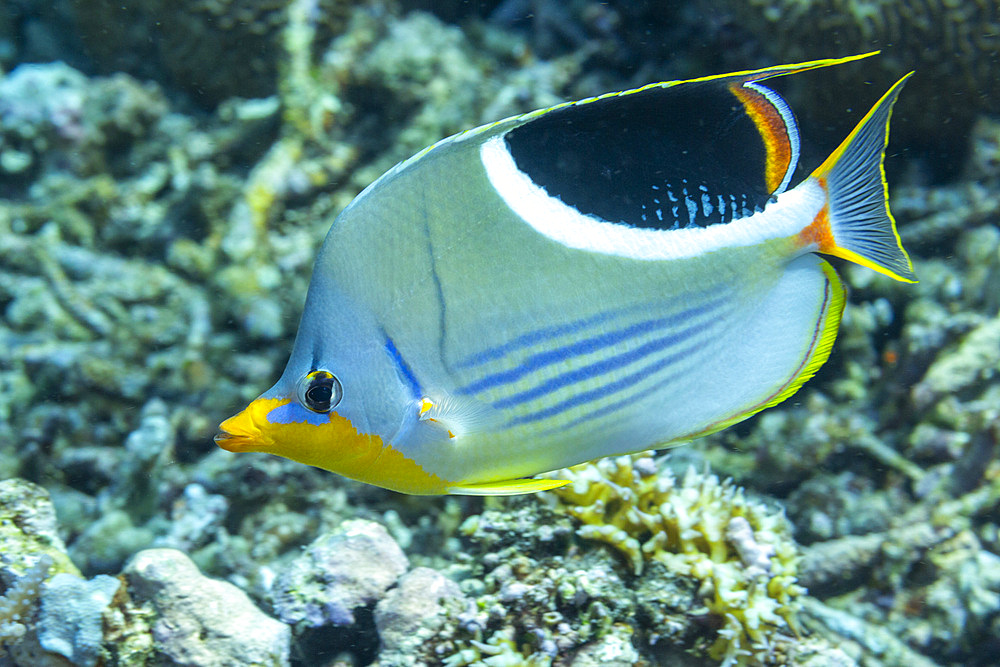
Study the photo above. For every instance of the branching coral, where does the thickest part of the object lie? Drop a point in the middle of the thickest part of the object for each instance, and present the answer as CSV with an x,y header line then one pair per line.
x,y
500,650
740,551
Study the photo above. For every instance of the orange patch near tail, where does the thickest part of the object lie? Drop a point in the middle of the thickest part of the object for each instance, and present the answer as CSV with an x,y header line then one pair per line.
x,y
819,232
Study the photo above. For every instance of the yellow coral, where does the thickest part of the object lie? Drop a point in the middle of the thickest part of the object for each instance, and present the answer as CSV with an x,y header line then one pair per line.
x,y
740,551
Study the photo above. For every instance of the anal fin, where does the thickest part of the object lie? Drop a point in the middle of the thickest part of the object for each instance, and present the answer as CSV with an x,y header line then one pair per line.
x,y
506,487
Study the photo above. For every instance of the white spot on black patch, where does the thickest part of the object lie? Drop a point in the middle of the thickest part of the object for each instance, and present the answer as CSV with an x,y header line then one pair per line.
x,y
692,208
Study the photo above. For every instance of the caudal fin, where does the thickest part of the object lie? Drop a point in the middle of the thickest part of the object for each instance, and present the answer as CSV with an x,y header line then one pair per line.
x,y
861,227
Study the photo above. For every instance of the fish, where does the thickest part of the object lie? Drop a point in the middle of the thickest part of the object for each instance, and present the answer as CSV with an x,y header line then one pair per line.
x,y
616,274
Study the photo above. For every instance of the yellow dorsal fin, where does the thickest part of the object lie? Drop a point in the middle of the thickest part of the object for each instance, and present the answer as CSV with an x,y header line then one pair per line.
x,y
506,487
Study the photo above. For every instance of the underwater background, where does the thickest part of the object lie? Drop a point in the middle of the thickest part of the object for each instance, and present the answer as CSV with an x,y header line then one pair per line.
x,y
168,170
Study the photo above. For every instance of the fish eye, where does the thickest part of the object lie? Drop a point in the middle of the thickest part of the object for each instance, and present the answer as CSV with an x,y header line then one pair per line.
x,y
320,391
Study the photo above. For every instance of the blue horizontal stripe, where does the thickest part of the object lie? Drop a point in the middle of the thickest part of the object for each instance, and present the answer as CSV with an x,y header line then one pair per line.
x,y
533,337
602,391
606,366
628,399
540,360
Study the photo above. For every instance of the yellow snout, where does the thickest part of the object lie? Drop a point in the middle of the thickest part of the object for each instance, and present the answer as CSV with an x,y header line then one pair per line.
x,y
327,441
243,431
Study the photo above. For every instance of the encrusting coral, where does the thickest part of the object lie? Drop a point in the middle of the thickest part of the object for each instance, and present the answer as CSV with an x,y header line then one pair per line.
x,y
71,621
739,550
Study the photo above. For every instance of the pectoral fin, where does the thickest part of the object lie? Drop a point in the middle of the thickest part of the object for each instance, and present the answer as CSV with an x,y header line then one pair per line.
x,y
458,415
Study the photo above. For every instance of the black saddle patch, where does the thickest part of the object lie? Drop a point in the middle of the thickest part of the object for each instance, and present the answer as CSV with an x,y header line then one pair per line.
x,y
662,158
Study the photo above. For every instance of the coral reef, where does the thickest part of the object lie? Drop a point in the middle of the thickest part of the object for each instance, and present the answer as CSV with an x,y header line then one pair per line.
x,y
202,621
28,530
18,604
534,600
212,50
739,552
71,621
348,568
412,612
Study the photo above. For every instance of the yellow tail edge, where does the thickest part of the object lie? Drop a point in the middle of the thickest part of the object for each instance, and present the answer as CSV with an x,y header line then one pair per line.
x,y
861,226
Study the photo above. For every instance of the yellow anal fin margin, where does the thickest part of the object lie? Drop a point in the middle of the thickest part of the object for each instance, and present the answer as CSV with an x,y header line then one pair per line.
x,y
506,487
819,352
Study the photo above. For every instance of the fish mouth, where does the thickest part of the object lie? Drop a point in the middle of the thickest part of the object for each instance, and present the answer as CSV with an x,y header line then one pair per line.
x,y
234,442
240,433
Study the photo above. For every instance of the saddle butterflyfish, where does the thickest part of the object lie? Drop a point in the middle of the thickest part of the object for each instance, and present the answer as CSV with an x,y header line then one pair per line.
x,y
606,276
